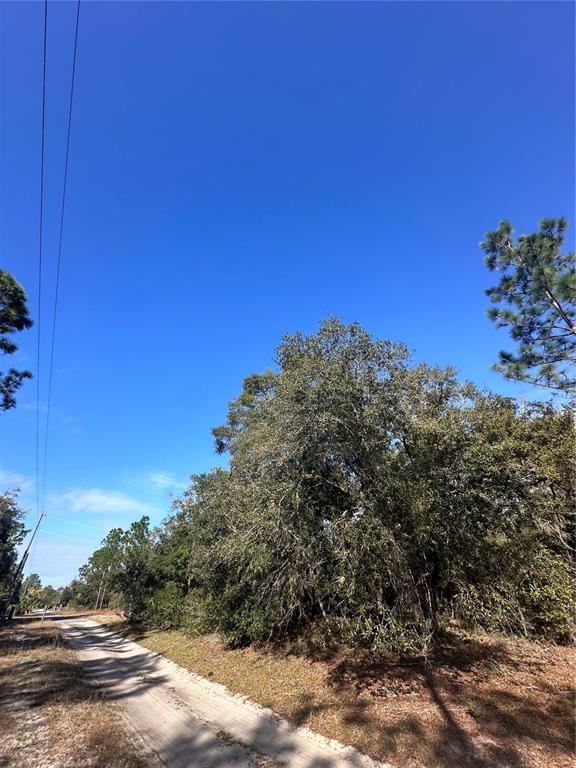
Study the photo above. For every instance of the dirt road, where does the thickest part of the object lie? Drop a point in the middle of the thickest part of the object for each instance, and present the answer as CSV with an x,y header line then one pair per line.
x,y
185,721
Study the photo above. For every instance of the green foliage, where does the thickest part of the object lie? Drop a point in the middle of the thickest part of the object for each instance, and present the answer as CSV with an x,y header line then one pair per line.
x,y
546,589
537,302
119,573
33,581
13,317
134,577
166,607
33,595
51,596
30,594
83,592
12,533
371,498
30,600
367,500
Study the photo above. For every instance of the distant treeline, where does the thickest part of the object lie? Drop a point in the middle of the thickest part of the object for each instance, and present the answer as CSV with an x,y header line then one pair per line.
x,y
368,500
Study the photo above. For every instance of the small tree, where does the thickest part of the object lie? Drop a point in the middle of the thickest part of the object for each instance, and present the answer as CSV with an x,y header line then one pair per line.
x,y
13,317
537,298
50,596
31,595
135,579
12,534
122,564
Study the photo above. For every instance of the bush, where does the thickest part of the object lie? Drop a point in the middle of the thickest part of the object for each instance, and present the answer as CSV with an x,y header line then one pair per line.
x,y
166,609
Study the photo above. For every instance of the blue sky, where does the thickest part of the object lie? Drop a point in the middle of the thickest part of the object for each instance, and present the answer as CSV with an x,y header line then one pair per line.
x,y
240,171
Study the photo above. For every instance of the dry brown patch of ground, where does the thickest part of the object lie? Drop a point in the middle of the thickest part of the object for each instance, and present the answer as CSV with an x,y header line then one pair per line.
x,y
50,715
479,702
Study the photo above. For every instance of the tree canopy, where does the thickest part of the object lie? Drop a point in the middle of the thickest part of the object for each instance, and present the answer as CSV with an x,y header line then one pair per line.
x,y
13,317
12,533
34,595
537,302
367,499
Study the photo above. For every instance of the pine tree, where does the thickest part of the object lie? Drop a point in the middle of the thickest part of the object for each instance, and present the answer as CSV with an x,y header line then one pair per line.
x,y
537,302
13,317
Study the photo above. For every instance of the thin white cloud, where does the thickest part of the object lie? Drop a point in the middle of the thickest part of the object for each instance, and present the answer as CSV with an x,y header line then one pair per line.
x,y
12,480
101,501
31,406
165,480
64,419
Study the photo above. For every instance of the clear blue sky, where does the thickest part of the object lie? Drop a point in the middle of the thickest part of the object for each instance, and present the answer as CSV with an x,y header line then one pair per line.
x,y
239,171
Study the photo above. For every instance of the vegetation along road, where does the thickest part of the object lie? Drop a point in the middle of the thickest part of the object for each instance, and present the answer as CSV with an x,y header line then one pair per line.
x,y
185,721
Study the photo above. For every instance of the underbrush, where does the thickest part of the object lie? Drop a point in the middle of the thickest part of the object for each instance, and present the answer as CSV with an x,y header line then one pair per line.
x,y
476,701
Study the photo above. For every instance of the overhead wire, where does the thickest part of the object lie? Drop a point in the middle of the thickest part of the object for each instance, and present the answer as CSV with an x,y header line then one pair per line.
x,y
73,522
63,535
40,244
60,239
41,497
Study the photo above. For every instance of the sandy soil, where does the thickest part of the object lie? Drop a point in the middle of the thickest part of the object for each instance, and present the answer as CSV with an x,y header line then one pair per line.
x,y
185,721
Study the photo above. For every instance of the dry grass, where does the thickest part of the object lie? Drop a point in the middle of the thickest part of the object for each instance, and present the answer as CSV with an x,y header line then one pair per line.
x,y
50,715
481,702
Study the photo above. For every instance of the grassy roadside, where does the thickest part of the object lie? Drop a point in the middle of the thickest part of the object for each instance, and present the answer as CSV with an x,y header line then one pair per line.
x,y
482,702
50,715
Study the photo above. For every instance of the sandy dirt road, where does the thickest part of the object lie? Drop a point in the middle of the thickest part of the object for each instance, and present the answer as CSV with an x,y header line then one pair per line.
x,y
185,721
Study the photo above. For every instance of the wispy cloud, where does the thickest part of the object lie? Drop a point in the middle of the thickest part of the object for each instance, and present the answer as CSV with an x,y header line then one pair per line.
x,y
13,480
100,501
31,406
66,420
165,480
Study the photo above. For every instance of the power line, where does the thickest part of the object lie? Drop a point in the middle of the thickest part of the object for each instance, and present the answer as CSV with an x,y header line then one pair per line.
x,y
62,210
73,522
41,514
41,223
11,605
63,535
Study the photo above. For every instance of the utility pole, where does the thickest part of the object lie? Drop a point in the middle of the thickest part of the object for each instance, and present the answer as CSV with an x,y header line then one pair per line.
x,y
20,570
